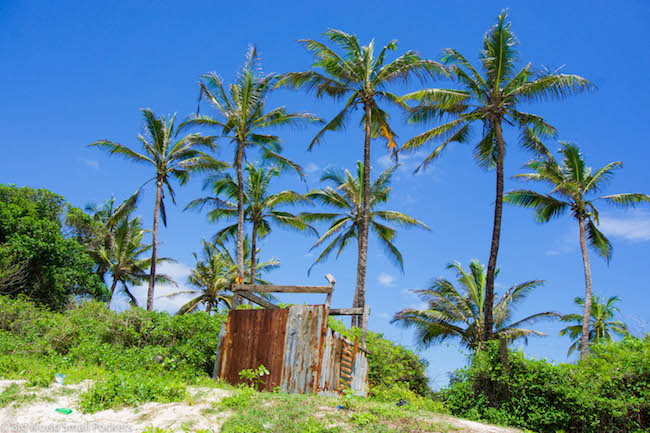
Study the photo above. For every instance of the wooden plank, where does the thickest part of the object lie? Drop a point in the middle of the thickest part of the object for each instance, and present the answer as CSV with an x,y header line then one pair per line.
x,y
235,301
258,300
346,311
364,325
286,289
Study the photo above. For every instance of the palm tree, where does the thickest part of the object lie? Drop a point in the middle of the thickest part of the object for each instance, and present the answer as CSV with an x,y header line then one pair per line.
x,y
108,216
360,78
170,157
123,258
602,326
241,117
489,100
458,313
261,208
573,188
213,275
346,196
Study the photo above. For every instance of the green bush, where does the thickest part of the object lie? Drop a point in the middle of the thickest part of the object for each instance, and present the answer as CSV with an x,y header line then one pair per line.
x,y
35,236
397,392
126,389
89,335
607,392
389,363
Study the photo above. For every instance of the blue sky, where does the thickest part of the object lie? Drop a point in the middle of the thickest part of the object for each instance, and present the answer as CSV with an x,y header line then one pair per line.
x,y
75,72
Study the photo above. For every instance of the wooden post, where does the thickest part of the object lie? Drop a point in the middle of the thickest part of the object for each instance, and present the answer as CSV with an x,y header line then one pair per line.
x,y
332,281
364,326
235,300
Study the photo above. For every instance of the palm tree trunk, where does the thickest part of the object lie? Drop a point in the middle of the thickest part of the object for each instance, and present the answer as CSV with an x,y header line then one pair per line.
x,y
584,338
496,235
240,214
360,293
154,247
253,256
108,304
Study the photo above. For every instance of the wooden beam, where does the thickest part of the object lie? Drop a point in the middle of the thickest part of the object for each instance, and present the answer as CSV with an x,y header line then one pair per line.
x,y
286,289
235,301
364,325
346,311
258,300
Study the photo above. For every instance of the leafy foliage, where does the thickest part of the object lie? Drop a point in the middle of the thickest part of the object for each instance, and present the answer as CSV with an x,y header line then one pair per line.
x,y
36,240
458,314
255,375
345,199
389,363
602,325
125,389
241,116
608,391
90,337
215,271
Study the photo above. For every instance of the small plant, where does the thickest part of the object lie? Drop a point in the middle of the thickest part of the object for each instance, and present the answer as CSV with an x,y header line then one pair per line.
x,y
363,418
152,429
347,400
255,376
240,399
128,390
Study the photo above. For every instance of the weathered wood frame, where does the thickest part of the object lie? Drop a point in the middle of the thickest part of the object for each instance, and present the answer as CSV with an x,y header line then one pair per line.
x,y
246,291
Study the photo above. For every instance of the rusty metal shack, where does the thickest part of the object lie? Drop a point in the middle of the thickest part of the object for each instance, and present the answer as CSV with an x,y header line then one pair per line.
x,y
301,353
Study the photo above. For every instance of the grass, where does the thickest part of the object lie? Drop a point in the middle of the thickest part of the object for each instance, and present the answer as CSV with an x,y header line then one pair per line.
x,y
14,396
264,412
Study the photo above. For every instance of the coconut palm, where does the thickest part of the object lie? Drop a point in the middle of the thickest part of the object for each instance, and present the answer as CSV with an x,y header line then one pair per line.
x,y
490,99
601,324
242,117
107,216
457,312
575,187
124,258
346,198
213,275
170,157
261,208
360,77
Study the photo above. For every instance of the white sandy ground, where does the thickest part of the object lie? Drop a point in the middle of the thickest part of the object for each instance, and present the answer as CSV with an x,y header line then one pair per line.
x,y
40,416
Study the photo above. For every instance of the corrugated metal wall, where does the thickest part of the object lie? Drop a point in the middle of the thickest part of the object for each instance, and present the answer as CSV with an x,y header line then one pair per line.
x,y
302,354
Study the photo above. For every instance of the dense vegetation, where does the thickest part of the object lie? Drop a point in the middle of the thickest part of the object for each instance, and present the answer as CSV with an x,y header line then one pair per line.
x,y
40,252
89,341
609,391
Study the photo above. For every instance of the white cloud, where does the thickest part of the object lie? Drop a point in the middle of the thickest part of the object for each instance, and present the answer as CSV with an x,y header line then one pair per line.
x,y
176,271
386,279
91,163
410,293
634,227
409,162
311,168
383,316
564,245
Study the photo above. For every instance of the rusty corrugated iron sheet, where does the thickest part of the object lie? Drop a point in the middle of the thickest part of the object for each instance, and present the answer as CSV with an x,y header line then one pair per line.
x,y
306,326
344,366
253,338
295,345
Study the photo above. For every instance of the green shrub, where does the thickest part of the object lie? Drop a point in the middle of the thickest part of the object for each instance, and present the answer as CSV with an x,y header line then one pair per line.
x,y
607,392
397,392
35,236
389,363
125,389
88,337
